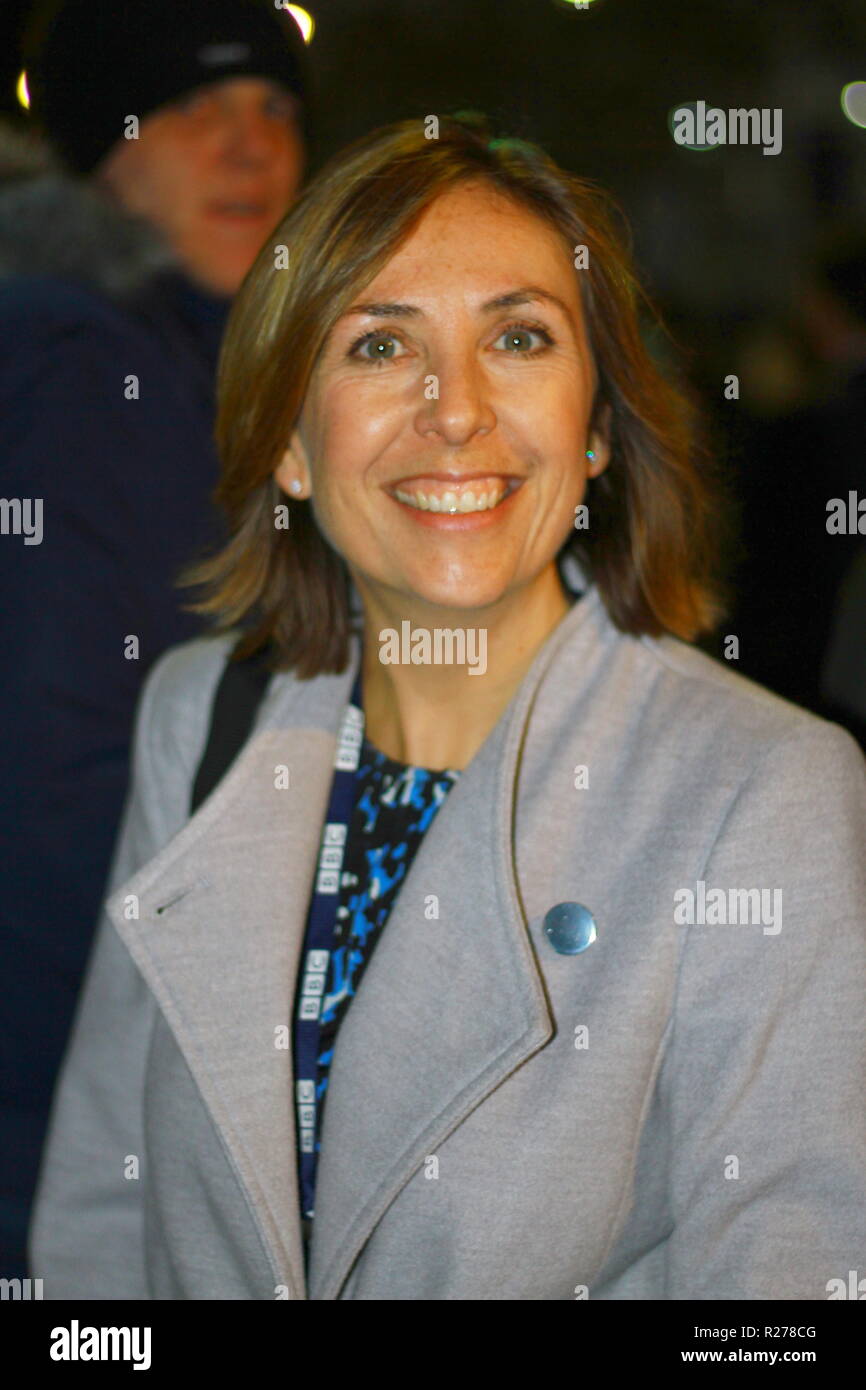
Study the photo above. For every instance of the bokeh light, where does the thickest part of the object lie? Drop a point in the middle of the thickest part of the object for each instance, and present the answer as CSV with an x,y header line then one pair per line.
x,y
853,102
304,21
575,5
686,106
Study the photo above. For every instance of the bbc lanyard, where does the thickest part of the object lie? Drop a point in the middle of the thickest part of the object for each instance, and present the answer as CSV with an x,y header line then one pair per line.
x,y
319,940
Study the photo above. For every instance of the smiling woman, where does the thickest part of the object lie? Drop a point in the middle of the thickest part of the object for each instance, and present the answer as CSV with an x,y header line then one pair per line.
x,y
549,1083
374,221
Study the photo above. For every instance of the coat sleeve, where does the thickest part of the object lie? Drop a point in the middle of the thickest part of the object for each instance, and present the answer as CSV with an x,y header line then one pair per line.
x,y
86,1234
116,527
120,485
765,1079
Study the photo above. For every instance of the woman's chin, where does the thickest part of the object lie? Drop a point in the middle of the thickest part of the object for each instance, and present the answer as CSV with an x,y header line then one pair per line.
x,y
451,600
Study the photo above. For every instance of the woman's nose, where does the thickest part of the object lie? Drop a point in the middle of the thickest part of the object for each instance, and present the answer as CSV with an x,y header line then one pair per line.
x,y
457,401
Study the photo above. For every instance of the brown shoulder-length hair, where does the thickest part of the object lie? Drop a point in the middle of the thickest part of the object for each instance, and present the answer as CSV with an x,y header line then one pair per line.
x,y
652,542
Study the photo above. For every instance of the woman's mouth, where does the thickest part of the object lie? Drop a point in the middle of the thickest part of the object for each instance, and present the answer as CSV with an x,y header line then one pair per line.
x,y
479,494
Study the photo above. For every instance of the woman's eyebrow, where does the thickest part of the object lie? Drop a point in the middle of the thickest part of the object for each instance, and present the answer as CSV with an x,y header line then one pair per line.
x,y
385,311
527,295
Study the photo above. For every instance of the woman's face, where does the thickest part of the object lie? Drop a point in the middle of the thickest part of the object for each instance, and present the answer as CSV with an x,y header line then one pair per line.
x,y
461,379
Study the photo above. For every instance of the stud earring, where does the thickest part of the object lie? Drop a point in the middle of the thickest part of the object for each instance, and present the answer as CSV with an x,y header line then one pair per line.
x,y
590,453
295,485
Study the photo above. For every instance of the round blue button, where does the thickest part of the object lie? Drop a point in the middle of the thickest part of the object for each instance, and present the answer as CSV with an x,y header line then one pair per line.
x,y
570,928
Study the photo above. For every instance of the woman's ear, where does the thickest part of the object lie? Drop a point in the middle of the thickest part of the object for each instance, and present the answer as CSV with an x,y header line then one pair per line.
x,y
292,473
598,444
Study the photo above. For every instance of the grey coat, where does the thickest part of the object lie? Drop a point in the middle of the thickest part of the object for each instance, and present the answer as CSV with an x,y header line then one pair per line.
x,y
677,1112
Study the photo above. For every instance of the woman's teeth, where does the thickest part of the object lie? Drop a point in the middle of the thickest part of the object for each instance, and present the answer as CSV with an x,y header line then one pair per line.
x,y
467,500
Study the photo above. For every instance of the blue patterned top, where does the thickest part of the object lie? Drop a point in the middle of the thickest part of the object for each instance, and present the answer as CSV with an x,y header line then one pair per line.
x,y
394,805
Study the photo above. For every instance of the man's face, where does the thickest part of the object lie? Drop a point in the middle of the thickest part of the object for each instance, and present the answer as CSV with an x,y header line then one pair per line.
x,y
215,172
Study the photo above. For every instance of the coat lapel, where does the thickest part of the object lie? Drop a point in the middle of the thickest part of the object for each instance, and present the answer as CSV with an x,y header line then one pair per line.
x,y
448,1007
221,916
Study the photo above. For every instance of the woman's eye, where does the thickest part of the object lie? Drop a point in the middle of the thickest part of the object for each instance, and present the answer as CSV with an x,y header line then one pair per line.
x,y
518,339
382,347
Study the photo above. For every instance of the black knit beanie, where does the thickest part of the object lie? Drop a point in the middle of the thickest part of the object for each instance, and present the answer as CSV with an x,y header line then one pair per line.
x,y
92,63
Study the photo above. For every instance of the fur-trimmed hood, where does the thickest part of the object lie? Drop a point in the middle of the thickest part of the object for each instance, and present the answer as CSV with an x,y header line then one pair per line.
x,y
54,223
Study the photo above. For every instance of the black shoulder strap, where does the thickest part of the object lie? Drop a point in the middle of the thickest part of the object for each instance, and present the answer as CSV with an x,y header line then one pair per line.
x,y
238,696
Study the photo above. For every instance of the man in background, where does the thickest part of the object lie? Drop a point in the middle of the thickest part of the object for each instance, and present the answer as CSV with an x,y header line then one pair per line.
x,y
178,132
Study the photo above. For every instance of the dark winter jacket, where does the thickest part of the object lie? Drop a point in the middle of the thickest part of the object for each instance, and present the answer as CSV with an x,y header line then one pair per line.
x,y
107,358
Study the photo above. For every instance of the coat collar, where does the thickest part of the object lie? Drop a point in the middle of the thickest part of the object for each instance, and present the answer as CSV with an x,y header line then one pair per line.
x,y
448,1007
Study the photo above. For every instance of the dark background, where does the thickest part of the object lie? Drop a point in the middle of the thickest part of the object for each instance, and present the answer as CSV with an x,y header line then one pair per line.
x,y
730,243
725,230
